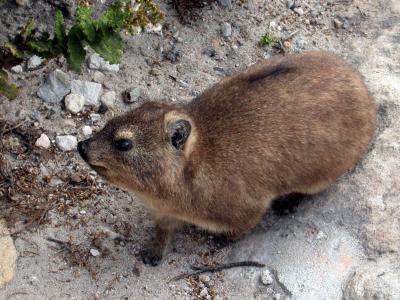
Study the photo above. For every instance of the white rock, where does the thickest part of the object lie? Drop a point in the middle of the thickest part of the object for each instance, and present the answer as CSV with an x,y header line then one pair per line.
x,y
56,85
204,278
321,235
299,11
150,28
218,297
87,130
17,69
94,252
95,117
43,141
266,277
277,296
96,62
108,98
89,90
98,77
74,103
226,29
66,142
204,292
82,212
34,62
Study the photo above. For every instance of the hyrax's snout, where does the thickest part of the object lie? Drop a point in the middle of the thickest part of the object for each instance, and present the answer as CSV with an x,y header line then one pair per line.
x,y
83,148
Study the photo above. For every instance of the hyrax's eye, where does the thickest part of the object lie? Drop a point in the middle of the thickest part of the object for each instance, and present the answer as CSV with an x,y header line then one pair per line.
x,y
123,144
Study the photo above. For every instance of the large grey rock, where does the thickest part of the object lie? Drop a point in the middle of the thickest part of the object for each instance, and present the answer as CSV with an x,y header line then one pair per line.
x,y
96,62
378,280
56,85
90,91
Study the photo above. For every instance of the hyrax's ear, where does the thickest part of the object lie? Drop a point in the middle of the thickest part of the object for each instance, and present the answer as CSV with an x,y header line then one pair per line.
x,y
178,132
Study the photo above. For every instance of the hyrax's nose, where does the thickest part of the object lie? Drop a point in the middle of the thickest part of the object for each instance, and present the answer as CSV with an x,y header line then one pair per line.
x,y
83,147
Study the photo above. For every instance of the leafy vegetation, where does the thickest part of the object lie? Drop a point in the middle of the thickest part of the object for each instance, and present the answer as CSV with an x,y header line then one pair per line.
x,y
268,39
9,90
102,35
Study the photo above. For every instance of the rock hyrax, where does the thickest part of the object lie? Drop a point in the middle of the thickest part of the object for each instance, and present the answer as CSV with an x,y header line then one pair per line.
x,y
290,124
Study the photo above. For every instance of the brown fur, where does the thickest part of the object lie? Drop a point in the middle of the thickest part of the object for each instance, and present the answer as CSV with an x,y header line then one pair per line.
x,y
288,124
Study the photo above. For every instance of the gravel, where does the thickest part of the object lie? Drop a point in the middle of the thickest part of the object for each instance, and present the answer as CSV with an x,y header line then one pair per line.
x,y
96,62
89,90
74,103
43,141
66,142
174,55
56,85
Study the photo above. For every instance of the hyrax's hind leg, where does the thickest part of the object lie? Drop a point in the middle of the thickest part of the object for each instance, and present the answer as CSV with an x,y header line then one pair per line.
x,y
164,231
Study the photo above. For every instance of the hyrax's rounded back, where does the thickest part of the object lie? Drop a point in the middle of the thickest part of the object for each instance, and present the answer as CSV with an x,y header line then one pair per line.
x,y
289,124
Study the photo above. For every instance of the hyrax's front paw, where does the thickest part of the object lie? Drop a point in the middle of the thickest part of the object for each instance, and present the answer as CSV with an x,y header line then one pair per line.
x,y
151,257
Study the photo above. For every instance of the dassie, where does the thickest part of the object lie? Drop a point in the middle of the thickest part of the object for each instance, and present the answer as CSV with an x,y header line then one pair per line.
x,y
289,124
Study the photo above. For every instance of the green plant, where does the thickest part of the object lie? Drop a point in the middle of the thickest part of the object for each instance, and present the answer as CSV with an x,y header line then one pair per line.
x,y
268,39
9,90
102,35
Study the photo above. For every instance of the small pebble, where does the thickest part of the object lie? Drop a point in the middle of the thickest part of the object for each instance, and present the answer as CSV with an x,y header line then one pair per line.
x,y
76,178
321,235
307,21
136,94
17,69
82,212
87,130
226,29
98,77
95,117
34,62
337,23
43,141
108,98
94,252
96,62
277,296
266,277
290,4
218,297
74,103
299,11
204,292
22,2
204,278
286,44
66,142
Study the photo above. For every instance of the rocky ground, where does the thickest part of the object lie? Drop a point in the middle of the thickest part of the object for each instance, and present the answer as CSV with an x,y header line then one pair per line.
x,y
77,238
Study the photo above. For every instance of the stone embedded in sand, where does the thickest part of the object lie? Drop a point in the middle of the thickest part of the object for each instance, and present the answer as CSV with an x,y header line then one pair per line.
x,y
226,29
96,62
56,85
34,62
43,141
8,255
66,142
108,98
266,277
89,90
17,69
87,130
74,103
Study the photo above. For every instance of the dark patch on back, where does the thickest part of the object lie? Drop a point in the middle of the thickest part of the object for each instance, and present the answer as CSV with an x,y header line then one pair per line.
x,y
273,72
